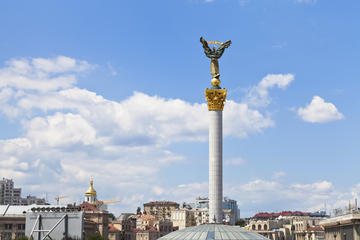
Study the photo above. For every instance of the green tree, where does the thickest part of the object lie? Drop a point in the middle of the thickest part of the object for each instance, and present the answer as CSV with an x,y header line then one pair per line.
x,y
96,236
241,223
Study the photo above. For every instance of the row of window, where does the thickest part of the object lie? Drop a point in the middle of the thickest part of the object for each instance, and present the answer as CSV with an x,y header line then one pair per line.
x,y
259,227
8,235
9,226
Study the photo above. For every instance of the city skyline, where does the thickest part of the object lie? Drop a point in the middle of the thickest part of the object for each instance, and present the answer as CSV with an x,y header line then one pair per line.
x,y
115,91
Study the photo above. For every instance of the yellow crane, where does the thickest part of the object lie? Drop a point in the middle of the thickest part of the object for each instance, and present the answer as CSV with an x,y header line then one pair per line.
x,y
57,198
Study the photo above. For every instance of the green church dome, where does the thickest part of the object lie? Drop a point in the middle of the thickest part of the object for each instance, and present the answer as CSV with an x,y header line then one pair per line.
x,y
213,232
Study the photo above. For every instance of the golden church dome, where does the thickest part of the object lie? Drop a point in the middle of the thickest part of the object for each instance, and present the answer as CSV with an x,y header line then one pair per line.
x,y
91,191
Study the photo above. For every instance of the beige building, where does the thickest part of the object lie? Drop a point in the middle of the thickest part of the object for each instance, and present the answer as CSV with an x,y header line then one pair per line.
x,y
149,234
345,227
161,209
183,218
12,226
289,228
139,227
308,228
276,229
187,217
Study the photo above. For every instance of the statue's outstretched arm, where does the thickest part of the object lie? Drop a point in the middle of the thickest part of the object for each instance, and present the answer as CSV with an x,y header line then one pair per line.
x,y
206,47
219,52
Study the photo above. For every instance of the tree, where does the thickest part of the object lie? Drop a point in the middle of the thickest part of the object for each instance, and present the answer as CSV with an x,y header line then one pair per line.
x,y
241,223
138,210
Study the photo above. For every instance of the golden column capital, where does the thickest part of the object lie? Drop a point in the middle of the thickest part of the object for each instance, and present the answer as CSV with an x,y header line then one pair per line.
x,y
215,99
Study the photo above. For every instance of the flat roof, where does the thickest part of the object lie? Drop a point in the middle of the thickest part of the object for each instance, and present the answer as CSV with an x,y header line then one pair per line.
x,y
339,220
12,210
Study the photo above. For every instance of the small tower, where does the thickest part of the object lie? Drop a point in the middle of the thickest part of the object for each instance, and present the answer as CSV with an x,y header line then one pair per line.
x,y
90,194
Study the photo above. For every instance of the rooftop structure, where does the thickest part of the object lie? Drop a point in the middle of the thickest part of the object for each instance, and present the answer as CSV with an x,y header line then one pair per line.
x,y
342,227
213,232
90,194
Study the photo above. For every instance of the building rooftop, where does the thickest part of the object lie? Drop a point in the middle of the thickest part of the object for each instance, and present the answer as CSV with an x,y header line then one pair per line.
x,y
213,232
160,203
339,220
12,210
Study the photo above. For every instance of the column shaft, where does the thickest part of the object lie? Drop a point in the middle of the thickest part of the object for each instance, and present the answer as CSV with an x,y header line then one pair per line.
x,y
215,167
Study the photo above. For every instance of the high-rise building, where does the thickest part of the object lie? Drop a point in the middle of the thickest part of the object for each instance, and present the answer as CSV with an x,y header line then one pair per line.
x,y
9,194
12,196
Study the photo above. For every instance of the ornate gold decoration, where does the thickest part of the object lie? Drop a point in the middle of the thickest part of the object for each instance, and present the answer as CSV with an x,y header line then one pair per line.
x,y
214,42
215,99
91,191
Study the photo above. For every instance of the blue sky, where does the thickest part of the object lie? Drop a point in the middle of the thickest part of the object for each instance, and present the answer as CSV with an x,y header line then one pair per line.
x,y
115,90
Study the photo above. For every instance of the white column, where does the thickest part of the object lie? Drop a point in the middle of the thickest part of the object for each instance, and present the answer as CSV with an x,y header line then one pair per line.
x,y
215,167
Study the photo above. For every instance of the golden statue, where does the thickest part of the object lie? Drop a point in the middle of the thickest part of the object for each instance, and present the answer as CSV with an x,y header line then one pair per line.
x,y
214,54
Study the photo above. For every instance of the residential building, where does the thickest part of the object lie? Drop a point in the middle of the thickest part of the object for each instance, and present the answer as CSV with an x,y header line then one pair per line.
x,y
30,200
9,194
161,209
97,220
12,221
288,226
201,208
183,218
343,227
114,233
308,228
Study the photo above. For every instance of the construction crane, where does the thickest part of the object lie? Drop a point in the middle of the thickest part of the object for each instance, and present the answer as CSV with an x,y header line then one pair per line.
x,y
109,201
57,198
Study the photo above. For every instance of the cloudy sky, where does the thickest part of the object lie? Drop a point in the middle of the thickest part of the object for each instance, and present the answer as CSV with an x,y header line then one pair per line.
x,y
115,91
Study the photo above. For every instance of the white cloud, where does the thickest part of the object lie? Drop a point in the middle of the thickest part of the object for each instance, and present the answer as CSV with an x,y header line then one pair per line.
x,y
41,74
319,111
262,195
70,134
259,95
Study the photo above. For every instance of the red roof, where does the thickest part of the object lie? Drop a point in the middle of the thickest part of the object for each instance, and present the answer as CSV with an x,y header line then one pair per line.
x,y
316,229
112,228
266,215
88,207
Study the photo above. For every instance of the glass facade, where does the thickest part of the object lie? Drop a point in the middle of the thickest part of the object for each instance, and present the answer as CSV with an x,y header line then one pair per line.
x,y
213,232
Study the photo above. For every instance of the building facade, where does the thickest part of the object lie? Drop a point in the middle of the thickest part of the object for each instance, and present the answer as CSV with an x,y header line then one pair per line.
x,y
344,227
161,209
12,196
183,218
9,194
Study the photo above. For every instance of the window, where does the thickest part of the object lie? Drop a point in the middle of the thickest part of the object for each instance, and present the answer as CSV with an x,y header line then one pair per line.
x,y
253,227
8,226
21,226
259,227
20,235
7,235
